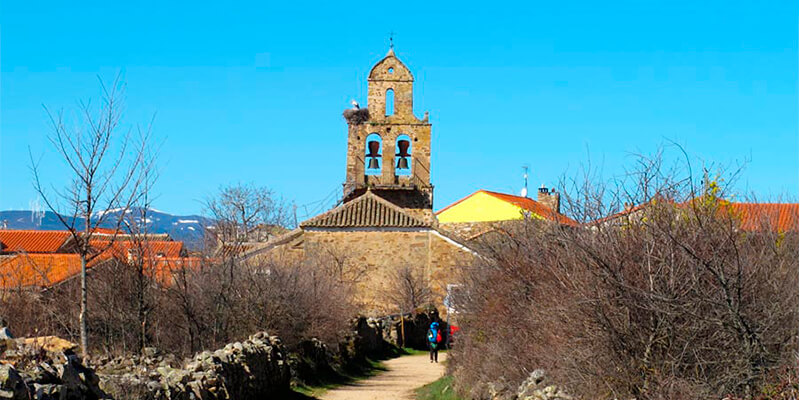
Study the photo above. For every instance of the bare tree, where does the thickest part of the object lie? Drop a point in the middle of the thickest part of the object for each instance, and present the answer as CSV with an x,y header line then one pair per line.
x,y
142,259
670,299
409,288
336,261
242,211
241,214
106,162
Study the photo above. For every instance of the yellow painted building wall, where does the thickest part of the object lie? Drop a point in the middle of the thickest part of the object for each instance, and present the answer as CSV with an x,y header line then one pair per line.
x,y
480,207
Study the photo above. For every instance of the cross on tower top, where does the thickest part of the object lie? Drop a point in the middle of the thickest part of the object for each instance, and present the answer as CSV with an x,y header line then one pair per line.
x,y
391,40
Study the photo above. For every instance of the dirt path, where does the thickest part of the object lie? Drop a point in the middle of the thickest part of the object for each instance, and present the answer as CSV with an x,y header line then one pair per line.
x,y
403,375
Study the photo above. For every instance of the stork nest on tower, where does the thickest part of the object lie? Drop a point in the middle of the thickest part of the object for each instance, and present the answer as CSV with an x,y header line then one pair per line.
x,y
356,116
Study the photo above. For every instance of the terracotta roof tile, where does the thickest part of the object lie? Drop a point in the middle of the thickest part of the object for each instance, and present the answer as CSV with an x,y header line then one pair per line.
x,y
533,206
45,270
154,248
163,269
37,264
40,270
368,210
776,217
32,241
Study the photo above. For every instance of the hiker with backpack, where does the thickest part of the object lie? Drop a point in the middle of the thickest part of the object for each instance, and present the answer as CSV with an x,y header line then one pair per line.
x,y
434,341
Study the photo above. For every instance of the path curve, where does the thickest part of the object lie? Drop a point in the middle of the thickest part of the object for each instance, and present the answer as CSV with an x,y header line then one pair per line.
x,y
403,375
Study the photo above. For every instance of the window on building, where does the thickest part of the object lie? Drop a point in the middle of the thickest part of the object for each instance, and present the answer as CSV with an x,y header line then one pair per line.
x,y
403,157
372,158
390,102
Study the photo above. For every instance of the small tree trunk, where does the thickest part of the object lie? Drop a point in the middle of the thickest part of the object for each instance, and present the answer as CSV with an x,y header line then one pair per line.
x,y
402,329
141,317
84,301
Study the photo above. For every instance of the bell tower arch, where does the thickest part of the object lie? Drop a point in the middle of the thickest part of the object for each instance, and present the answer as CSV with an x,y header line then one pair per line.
x,y
405,154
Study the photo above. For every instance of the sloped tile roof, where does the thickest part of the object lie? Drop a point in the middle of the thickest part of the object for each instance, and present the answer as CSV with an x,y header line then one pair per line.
x,y
164,270
525,203
40,270
46,270
534,207
152,248
367,210
779,217
754,217
30,241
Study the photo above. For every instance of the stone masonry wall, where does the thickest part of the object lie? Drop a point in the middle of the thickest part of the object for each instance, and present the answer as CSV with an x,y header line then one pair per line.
x,y
377,254
389,74
380,252
447,261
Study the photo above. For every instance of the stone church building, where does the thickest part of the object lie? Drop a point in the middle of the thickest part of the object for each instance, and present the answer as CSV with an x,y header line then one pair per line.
x,y
385,221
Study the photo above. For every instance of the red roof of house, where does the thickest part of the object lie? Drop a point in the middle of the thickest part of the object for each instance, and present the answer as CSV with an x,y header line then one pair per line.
x,y
628,210
152,248
41,270
164,270
45,270
30,241
38,264
776,217
525,203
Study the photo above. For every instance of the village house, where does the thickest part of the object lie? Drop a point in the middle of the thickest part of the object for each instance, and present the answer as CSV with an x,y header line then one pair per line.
x,y
751,217
484,211
32,259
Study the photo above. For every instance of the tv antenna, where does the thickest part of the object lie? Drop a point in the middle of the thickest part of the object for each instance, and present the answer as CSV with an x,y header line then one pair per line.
x,y
524,191
37,213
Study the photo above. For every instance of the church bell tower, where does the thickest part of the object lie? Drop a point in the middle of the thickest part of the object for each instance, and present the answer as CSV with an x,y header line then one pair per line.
x,y
388,147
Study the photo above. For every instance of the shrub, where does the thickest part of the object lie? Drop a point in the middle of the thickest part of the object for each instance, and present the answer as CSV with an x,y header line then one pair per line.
x,y
673,301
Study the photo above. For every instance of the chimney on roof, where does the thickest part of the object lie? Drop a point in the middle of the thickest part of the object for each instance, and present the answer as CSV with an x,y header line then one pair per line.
x,y
550,198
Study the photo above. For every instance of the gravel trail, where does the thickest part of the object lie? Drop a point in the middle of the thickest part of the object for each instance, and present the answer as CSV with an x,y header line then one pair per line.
x,y
403,375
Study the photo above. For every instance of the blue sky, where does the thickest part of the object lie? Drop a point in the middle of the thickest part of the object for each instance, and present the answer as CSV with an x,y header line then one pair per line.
x,y
253,92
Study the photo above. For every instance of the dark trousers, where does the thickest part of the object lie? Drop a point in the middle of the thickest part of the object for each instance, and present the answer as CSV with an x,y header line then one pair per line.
x,y
434,352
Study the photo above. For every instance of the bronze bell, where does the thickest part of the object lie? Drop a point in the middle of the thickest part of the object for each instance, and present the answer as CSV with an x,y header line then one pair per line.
x,y
374,147
373,163
402,146
402,163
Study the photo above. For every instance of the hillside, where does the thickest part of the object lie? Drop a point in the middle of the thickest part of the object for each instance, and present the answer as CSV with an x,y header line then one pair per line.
x,y
186,228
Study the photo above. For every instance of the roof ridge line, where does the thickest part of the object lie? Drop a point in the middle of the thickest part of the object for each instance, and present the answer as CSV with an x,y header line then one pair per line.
x,y
459,201
400,215
320,216
394,207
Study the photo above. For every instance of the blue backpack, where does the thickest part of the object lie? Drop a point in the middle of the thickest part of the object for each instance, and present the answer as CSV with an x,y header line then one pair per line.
x,y
433,334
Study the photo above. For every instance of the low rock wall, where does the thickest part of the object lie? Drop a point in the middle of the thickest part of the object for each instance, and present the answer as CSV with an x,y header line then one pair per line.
x,y
253,369
535,387
45,368
258,368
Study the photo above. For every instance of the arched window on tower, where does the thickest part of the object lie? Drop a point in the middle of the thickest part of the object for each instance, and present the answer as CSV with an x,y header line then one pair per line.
x,y
390,102
372,159
403,157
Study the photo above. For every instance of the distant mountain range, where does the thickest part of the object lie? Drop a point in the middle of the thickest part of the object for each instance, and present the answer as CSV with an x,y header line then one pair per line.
x,y
186,228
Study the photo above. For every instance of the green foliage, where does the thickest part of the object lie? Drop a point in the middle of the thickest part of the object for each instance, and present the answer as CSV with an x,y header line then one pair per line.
x,y
410,351
441,389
